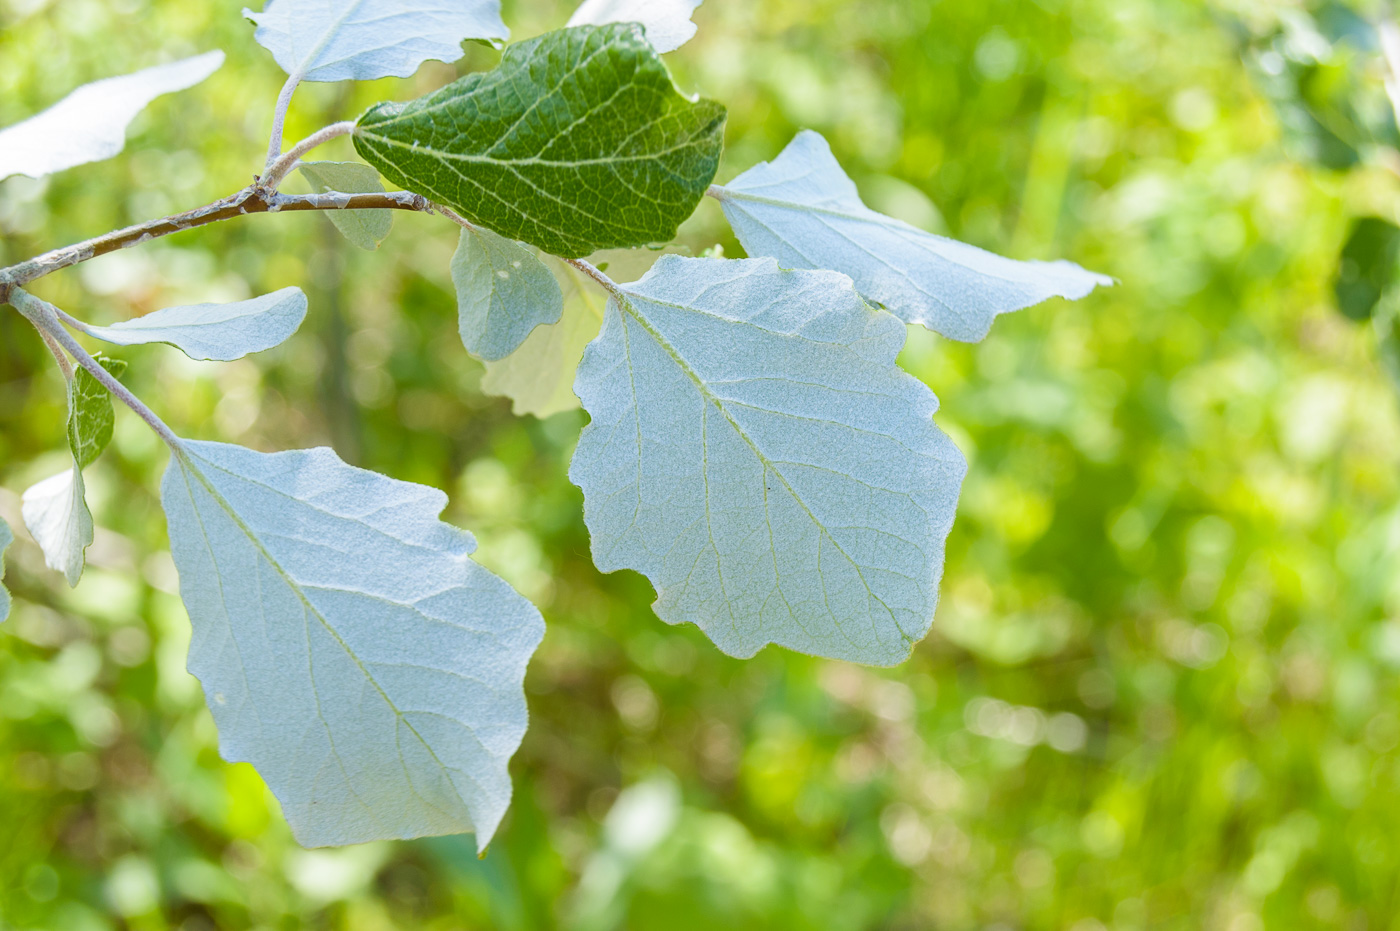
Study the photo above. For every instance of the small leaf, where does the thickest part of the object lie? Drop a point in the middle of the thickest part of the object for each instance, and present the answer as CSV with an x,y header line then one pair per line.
x,y
802,210
364,40
59,521
539,376
365,228
214,332
667,22
348,646
1367,266
6,538
757,454
90,416
89,125
578,141
504,291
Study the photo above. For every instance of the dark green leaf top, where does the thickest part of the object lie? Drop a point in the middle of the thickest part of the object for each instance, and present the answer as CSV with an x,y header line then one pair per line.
x,y
90,417
578,141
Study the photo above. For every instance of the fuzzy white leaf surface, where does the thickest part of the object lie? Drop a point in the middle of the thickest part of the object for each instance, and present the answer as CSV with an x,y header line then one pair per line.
x,y
348,646
6,538
58,519
89,125
803,210
214,332
667,22
539,376
365,228
757,454
504,291
364,40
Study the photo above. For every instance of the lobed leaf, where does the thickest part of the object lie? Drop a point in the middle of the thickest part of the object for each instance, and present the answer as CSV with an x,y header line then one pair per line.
x,y
364,40
365,228
348,646
504,291
89,125
667,22
578,141
539,376
6,538
803,210
214,332
757,454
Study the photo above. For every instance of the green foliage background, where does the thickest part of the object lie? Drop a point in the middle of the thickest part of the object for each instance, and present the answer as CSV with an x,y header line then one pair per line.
x,y
1161,691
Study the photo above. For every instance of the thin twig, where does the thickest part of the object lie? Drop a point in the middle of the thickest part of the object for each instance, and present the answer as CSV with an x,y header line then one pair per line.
x,y
594,272
45,316
279,118
283,165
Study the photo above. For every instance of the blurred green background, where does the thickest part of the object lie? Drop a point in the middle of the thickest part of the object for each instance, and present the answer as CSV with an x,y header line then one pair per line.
x,y
1162,686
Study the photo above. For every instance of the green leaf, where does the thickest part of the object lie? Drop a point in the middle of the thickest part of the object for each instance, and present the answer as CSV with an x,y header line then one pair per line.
x,y
803,210
348,646
55,510
578,141
6,538
214,332
1367,266
364,40
365,228
757,454
539,376
504,291
90,416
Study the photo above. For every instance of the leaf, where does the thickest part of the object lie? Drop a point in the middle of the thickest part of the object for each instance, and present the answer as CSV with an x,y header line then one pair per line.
x,y
214,332
90,416
802,210
757,454
578,141
504,291
364,40
55,510
667,22
365,228
89,125
1366,267
539,376
6,538
58,519
348,647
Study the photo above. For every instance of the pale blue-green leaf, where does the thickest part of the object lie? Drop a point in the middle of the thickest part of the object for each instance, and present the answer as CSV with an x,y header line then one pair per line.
x,y
348,646
803,210
757,454
365,228
214,332
58,519
364,40
504,291
667,22
539,376
90,123
6,538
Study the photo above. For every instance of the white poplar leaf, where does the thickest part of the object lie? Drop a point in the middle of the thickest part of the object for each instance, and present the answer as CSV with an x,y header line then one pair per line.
x,y
667,22
89,125
757,454
803,210
58,519
348,646
504,291
6,538
363,40
214,332
539,376
365,228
